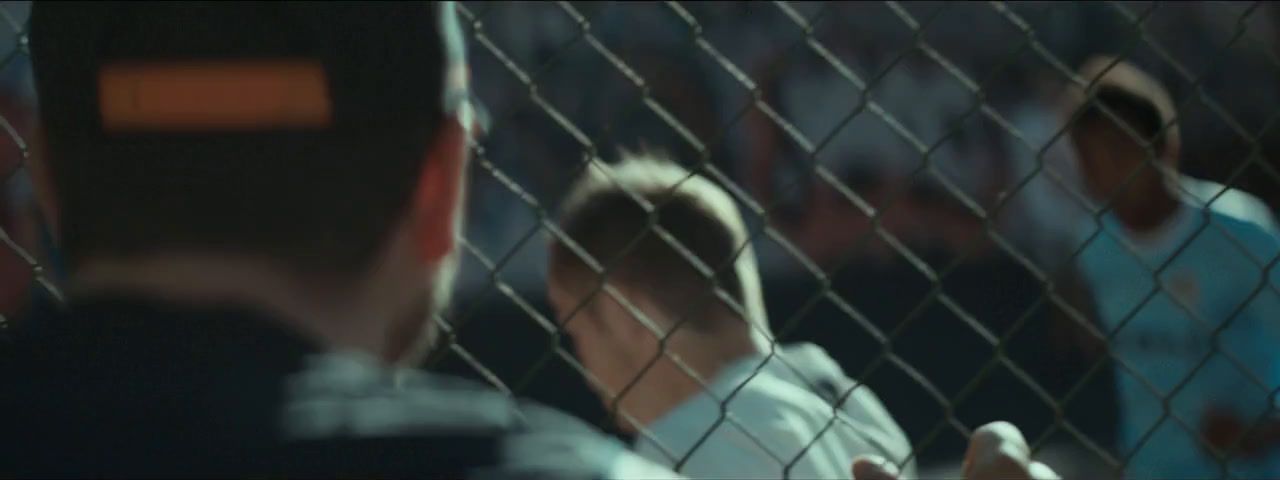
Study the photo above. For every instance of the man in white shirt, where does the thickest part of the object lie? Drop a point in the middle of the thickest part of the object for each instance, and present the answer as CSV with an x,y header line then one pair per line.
x,y
790,413
1184,291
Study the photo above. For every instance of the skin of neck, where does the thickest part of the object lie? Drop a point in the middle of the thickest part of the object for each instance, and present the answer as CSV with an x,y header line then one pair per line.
x,y
665,386
336,314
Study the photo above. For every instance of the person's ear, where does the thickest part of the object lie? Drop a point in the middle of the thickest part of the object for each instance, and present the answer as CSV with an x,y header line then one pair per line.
x,y
438,200
42,178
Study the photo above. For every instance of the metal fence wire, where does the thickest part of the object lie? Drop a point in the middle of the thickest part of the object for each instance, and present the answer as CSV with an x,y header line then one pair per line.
x,y
907,182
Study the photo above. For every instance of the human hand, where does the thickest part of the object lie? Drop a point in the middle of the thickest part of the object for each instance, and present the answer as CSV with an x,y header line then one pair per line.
x,y
1226,432
997,451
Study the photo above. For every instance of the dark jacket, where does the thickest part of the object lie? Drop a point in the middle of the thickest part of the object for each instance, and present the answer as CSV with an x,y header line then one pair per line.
x,y
121,387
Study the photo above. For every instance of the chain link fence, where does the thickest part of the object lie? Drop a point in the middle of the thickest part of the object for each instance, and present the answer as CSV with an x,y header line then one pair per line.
x,y
908,185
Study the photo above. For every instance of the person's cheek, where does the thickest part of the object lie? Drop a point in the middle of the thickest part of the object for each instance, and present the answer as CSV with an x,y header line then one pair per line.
x,y
1093,164
625,365
588,350
621,369
1099,177
579,345
1118,175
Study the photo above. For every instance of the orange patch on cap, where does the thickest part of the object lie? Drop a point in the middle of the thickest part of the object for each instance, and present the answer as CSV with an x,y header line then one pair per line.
x,y
214,96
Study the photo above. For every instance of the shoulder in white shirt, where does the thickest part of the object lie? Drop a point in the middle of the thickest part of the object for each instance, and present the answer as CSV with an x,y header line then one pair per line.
x,y
775,423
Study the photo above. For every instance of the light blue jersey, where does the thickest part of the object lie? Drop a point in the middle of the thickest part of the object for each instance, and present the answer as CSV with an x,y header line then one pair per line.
x,y
1162,297
1228,201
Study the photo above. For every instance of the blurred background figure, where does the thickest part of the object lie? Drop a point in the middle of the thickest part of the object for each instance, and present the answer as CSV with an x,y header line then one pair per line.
x,y
1182,289
20,219
765,413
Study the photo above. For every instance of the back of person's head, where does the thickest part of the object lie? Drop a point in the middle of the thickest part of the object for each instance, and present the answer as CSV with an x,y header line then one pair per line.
x,y
293,132
663,314
610,215
303,158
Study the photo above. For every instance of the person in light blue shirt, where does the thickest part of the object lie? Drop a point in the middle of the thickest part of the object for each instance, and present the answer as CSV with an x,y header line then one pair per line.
x,y
1184,291
681,353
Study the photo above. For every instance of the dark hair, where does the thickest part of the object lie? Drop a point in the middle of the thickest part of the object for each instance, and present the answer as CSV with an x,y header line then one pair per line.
x,y
610,225
326,211
315,202
1138,113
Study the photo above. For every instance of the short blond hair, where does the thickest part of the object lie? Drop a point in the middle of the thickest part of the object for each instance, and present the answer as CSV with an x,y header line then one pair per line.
x,y
610,212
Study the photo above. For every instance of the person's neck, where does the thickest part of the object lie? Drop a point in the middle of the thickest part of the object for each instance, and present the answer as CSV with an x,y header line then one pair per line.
x,y
666,386
1146,210
334,318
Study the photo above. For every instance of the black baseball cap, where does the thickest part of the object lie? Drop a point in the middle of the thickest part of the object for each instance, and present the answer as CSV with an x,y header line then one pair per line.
x,y
107,70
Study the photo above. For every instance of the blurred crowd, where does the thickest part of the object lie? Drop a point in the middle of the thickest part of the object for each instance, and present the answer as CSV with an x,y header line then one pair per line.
x,y
960,105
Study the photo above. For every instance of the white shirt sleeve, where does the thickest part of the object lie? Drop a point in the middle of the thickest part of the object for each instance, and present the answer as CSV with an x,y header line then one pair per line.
x,y
781,447
729,452
626,465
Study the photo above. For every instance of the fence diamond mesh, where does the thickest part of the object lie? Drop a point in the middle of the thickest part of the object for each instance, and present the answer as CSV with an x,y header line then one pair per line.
x,y
909,184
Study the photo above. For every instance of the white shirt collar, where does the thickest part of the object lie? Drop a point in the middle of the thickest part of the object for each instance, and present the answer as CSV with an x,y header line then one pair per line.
x,y
680,430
